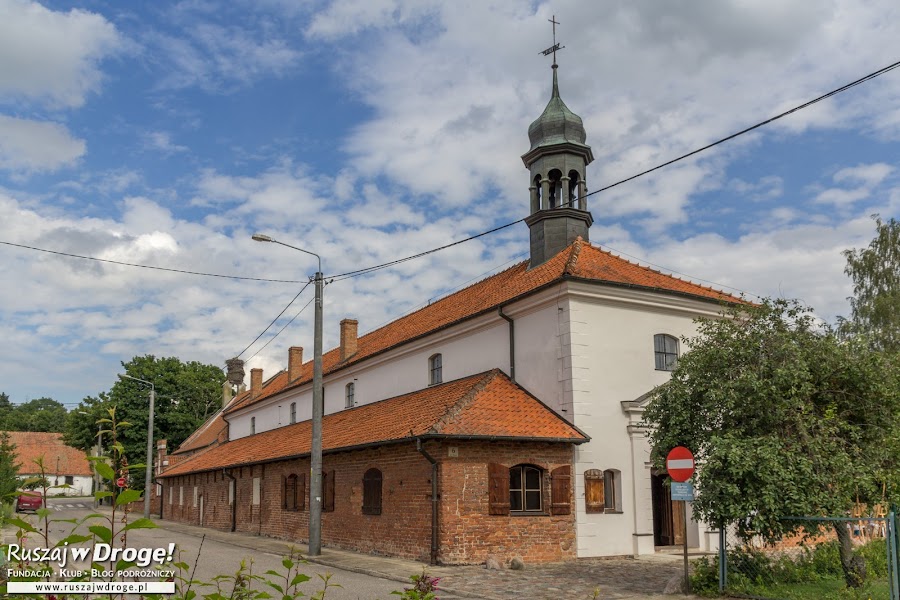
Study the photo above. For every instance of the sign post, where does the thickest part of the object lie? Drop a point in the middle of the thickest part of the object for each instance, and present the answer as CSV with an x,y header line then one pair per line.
x,y
680,466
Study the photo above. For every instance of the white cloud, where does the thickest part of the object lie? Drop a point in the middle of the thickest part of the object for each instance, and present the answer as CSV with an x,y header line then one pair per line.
x,y
162,142
866,178
52,56
27,145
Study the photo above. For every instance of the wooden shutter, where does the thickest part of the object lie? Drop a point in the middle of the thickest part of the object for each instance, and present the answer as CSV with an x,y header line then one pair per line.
x,y
328,491
301,492
560,490
593,491
498,489
372,492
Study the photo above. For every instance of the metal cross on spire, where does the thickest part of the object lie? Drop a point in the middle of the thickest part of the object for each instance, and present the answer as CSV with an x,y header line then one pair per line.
x,y
552,49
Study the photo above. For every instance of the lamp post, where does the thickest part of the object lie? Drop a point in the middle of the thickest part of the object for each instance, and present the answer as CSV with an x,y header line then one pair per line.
x,y
149,469
318,410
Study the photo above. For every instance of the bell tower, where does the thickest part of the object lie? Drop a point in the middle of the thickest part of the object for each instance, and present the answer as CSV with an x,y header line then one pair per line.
x,y
557,162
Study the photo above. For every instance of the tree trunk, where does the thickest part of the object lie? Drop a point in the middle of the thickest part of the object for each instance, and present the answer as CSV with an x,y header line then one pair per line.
x,y
854,566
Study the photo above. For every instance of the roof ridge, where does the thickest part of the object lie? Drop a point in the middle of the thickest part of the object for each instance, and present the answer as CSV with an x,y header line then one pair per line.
x,y
464,401
574,253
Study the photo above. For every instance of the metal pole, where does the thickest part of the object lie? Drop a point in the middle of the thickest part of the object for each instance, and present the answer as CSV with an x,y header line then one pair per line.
x,y
687,578
149,470
723,574
318,410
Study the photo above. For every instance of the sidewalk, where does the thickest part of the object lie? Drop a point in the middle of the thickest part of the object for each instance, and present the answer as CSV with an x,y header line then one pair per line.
x,y
616,578
619,578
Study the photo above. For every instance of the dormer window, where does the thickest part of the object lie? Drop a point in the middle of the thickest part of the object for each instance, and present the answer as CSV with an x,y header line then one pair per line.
x,y
435,370
665,349
351,391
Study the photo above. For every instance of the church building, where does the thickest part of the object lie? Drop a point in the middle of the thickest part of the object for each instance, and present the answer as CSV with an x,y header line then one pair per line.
x,y
503,419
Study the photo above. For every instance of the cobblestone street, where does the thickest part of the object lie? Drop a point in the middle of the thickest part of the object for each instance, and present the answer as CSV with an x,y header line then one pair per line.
x,y
615,578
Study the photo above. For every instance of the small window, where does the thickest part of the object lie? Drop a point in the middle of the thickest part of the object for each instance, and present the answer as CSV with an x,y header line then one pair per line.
x,y
612,498
372,492
328,491
252,425
289,498
665,348
293,412
525,489
435,368
70,479
351,389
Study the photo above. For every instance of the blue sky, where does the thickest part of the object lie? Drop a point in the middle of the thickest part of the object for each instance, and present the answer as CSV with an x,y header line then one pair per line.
x,y
167,133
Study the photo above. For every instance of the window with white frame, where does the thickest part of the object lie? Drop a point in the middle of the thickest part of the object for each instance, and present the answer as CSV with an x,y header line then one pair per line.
x,y
435,369
665,350
349,395
293,412
252,425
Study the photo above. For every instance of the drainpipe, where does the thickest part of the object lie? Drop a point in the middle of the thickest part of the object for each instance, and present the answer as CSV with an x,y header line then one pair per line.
x,y
434,500
512,343
227,473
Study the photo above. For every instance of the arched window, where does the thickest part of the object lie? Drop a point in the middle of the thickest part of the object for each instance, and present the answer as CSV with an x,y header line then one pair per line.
x,y
293,412
252,425
372,492
351,390
435,369
665,349
555,177
525,489
572,192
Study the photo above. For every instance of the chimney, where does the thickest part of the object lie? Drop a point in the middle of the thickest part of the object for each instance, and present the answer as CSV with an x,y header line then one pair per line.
x,y
295,363
162,458
255,382
227,393
348,338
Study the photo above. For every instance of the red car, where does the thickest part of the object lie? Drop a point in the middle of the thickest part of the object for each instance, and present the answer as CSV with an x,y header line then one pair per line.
x,y
29,501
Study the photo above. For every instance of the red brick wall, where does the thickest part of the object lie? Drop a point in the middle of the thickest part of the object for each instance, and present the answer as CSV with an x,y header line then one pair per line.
x,y
467,532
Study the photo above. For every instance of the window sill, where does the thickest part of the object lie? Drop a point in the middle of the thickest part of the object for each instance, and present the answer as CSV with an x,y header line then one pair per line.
x,y
611,511
522,513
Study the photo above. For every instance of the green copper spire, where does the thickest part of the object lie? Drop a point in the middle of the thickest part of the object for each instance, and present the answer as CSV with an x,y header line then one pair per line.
x,y
557,124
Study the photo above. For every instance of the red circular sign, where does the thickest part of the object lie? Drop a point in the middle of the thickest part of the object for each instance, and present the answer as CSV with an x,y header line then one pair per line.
x,y
120,482
680,464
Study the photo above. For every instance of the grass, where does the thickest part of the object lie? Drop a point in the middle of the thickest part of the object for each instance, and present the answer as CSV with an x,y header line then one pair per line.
x,y
825,589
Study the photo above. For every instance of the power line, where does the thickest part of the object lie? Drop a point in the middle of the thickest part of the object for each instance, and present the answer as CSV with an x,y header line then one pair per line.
x,y
275,319
833,92
282,329
126,264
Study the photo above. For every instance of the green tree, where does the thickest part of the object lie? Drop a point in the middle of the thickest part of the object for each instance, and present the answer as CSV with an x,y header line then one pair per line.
x,y
875,271
784,418
5,408
40,414
186,394
9,469
81,422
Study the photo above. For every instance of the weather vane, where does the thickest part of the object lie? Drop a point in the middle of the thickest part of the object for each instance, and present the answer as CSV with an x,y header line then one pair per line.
x,y
552,49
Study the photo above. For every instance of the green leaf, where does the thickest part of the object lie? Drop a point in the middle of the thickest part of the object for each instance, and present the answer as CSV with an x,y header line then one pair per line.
x,y
101,532
74,538
100,495
42,512
122,564
275,586
23,525
299,578
127,497
104,470
142,523
287,562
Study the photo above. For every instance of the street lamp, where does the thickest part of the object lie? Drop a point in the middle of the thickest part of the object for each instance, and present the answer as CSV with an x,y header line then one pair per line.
x,y
318,410
149,444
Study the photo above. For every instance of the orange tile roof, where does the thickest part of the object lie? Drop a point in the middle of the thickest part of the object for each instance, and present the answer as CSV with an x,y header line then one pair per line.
x,y
487,405
208,433
579,261
59,459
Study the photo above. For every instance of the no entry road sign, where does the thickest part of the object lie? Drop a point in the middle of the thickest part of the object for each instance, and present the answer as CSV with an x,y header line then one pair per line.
x,y
680,464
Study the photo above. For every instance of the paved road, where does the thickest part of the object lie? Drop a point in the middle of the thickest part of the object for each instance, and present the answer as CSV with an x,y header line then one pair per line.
x,y
217,557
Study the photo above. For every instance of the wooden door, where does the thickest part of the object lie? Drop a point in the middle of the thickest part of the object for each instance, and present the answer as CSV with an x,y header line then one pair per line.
x,y
664,526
